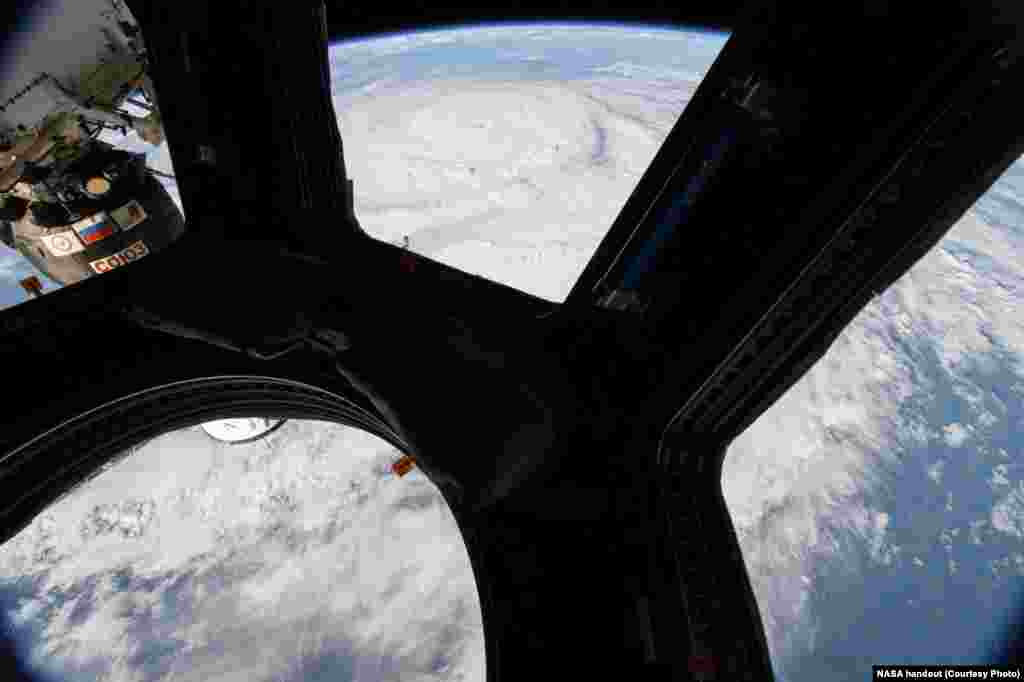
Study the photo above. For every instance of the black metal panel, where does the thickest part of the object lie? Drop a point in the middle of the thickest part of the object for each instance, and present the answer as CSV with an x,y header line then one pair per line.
x,y
252,130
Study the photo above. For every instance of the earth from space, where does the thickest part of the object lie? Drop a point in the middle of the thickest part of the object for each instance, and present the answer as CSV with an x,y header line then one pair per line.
x,y
879,503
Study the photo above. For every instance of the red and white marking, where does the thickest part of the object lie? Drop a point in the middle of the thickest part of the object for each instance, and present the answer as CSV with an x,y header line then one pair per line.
x,y
134,252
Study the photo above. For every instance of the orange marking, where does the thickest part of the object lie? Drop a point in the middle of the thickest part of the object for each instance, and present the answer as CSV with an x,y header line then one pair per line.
x,y
403,466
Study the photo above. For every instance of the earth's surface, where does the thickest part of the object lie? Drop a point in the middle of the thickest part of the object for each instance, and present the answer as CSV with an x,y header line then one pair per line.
x,y
880,503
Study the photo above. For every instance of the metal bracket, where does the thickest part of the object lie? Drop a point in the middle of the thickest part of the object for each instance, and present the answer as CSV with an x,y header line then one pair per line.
x,y
329,341
264,351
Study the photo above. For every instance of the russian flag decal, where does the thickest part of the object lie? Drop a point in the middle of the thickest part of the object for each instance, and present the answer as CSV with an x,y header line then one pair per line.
x,y
95,228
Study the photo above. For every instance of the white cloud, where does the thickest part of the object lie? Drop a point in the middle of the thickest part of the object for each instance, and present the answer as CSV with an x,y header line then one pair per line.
x,y
955,434
999,476
1008,513
644,72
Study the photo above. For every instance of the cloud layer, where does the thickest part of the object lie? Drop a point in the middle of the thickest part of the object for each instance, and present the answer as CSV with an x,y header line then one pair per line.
x,y
280,560
889,473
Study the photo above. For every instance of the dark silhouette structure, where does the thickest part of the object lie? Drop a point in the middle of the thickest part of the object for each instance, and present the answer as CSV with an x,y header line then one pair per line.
x,y
579,445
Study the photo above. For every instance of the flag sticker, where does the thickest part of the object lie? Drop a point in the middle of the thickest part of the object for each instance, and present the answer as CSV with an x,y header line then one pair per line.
x,y
89,220
94,228
62,243
129,215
